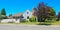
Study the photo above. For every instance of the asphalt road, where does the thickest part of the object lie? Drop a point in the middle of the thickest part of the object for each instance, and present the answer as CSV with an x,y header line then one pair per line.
x,y
28,27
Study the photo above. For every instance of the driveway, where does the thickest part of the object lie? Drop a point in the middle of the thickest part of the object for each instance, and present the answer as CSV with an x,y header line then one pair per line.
x,y
28,27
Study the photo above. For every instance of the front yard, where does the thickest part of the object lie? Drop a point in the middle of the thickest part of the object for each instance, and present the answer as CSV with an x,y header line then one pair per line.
x,y
42,23
36,23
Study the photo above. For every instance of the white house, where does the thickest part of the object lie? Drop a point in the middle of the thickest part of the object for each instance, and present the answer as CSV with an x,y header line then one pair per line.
x,y
27,15
21,16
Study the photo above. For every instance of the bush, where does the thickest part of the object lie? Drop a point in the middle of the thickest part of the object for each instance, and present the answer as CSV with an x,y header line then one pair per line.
x,y
32,19
58,19
25,21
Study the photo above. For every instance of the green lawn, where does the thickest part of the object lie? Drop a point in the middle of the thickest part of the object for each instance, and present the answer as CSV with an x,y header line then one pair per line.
x,y
50,23
31,23
37,23
42,23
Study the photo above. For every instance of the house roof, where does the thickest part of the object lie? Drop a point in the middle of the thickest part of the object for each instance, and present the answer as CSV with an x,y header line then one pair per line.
x,y
27,11
17,15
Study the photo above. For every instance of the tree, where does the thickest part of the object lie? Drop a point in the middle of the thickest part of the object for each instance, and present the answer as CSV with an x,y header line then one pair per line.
x,y
58,16
41,15
52,12
34,11
44,12
10,15
3,12
3,16
0,16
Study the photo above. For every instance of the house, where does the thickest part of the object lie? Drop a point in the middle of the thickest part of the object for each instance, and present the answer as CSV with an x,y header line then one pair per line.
x,y
8,20
27,15
17,17
21,16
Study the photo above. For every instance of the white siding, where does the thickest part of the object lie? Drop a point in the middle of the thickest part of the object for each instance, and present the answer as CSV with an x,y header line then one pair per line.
x,y
29,14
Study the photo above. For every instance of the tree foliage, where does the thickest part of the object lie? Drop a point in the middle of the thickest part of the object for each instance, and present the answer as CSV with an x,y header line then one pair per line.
x,y
44,12
0,16
3,12
10,15
58,16
52,12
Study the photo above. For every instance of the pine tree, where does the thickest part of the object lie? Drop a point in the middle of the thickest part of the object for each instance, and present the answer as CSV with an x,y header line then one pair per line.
x,y
3,12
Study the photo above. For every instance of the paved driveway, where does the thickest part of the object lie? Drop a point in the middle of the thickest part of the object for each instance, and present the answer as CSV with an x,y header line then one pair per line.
x,y
28,27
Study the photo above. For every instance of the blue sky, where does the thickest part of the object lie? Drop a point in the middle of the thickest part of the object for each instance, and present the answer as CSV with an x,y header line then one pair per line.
x,y
17,6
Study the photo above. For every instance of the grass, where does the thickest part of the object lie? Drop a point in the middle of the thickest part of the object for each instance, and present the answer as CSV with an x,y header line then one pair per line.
x,y
27,23
42,23
9,23
50,23
31,23
37,23
56,23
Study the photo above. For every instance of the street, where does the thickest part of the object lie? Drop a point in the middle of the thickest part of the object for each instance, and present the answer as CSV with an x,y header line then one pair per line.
x,y
28,27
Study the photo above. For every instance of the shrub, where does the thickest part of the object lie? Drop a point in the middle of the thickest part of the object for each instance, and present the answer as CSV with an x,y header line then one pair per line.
x,y
25,21
32,19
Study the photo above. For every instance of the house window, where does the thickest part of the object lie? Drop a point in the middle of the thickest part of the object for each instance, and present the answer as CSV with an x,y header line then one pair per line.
x,y
27,17
27,12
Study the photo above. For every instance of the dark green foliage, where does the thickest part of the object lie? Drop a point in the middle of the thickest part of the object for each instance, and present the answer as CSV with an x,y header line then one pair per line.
x,y
0,16
52,12
3,17
3,12
10,15
58,17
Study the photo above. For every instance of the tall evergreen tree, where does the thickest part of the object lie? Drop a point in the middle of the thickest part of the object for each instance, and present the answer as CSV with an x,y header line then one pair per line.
x,y
3,12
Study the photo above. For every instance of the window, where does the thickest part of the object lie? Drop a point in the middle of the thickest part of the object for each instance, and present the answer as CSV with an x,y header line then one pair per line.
x,y
27,12
27,17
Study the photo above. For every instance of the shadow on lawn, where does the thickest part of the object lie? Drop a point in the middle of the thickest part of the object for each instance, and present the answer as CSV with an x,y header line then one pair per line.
x,y
44,23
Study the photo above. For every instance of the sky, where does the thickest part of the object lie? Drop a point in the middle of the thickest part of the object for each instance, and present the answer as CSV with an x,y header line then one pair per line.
x,y
18,6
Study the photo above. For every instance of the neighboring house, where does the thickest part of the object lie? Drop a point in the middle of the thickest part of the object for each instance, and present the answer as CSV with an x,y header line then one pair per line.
x,y
8,20
10,17
15,16
18,17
